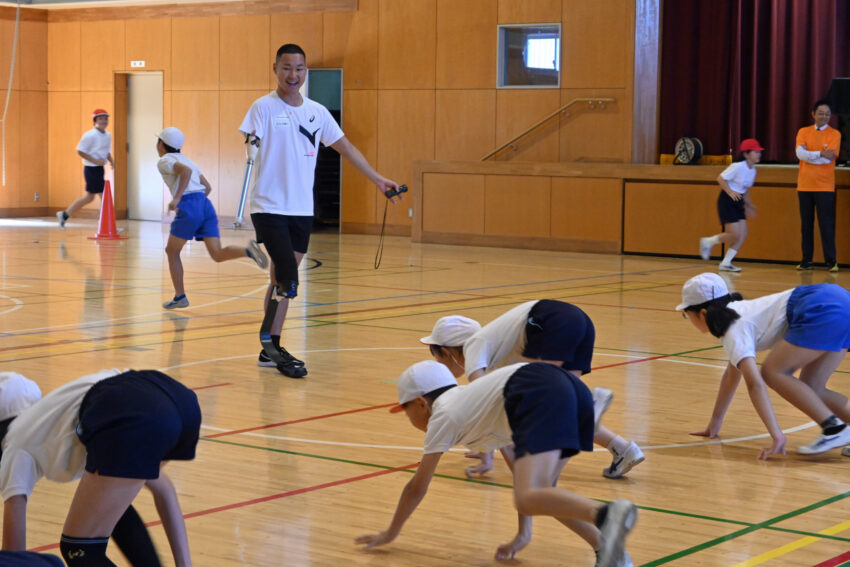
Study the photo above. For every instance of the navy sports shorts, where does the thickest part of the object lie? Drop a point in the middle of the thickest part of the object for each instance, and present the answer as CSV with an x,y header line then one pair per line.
x,y
94,178
283,235
560,331
28,559
819,317
132,422
730,210
195,218
548,408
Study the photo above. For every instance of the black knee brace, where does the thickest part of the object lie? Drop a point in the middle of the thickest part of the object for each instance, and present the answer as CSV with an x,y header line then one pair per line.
x,y
132,538
85,551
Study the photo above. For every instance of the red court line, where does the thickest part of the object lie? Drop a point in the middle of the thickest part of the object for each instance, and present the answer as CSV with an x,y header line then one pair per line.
x,y
835,561
212,386
268,498
235,431
635,361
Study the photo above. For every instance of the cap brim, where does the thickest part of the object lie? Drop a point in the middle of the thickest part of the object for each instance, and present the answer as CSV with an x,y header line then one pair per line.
x,y
429,340
398,408
682,307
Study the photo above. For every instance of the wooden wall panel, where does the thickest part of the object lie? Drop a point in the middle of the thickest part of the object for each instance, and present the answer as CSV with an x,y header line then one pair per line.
x,y
149,40
7,32
191,112
516,110
33,149
303,29
596,134
517,205
243,67
596,36
407,41
33,56
102,49
360,119
465,125
466,44
350,40
405,133
194,54
453,203
233,105
587,208
10,193
529,11
63,56
65,176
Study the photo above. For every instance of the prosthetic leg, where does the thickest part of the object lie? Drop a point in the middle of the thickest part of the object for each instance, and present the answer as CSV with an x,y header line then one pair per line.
x,y
287,364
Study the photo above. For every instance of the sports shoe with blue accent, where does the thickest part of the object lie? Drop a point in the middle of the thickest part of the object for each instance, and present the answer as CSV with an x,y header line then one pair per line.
x,y
264,360
825,443
177,302
622,464
256,254
620,518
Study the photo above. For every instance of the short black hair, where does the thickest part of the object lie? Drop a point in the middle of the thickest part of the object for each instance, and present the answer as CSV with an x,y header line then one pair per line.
x,y
434,394
718,317
821,102
4,427
169,149
290,48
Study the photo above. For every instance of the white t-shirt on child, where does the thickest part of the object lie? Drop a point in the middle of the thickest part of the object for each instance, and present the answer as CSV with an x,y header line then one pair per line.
x,y
499,342
739,176
165,165
763,323
96,144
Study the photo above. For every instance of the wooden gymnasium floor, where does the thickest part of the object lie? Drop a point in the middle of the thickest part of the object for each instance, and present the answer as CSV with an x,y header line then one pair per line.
x,y
290,471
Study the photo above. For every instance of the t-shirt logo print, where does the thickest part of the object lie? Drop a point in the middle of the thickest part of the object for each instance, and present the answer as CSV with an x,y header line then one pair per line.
x,y
308,135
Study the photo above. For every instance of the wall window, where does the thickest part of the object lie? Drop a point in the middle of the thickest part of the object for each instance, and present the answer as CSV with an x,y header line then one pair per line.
x,y
529,56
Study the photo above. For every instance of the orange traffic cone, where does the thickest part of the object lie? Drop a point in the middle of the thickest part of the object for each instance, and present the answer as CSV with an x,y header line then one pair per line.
x,y
107,229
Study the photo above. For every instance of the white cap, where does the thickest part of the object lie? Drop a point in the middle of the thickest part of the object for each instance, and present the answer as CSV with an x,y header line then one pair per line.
x,y
173,137
17,393
702,288
453,331
420,379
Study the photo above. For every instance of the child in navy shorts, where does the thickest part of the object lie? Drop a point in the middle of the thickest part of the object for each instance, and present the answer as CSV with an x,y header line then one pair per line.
x,y
806,328
196,216
115,430
548,415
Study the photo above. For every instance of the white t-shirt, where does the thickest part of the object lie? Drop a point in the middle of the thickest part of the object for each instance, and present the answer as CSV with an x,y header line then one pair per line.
x,y
739,176
499,342
763,323
96,144
286,163
43,442
472,415
165,165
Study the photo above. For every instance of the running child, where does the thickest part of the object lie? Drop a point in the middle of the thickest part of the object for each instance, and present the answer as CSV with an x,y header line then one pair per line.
x,y
196,216
548,415
734,205
545,329
115,430
806,328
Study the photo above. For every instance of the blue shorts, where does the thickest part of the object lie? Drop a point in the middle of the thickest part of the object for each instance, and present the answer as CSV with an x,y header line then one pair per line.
x,y
132,422
195,218
560,331
548,409
819,317
28,559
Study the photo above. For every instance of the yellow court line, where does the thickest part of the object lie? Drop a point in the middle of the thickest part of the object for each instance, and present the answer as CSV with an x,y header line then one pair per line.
x,y
793,546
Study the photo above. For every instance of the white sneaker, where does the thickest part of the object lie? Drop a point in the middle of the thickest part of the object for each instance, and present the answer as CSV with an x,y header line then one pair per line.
x,y
256,254
60,216
826,442
602,399
175,303
846,451
630,458
619,521
705,248
728,268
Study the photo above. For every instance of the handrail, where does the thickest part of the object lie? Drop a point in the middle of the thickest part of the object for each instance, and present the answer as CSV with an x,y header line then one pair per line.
x,y
510,144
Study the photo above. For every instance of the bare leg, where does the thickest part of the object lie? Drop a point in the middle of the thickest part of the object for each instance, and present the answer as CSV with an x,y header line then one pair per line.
x,y
778,372
817,373
175,265
220,254
79,203
534,494
98,504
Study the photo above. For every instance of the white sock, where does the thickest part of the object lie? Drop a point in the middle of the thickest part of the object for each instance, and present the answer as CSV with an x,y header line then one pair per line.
x,y
727,259
713,240
617,446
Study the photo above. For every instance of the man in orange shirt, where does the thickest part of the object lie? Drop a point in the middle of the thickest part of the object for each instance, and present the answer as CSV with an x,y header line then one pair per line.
x,y
817,147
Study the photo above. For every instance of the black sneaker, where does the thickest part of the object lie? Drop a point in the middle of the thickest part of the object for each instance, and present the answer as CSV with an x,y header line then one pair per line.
x,y
291,370
804,266
264,360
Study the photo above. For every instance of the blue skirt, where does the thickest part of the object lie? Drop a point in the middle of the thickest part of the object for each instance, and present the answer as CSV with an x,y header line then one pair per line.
x,y
819,317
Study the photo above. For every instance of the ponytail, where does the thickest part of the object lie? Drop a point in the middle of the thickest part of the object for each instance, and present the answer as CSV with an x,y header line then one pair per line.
x,y
719,317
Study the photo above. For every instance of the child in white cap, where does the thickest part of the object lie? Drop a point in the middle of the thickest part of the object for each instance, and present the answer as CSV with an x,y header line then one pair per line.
x,y
196,217
548,415
545,329
806,328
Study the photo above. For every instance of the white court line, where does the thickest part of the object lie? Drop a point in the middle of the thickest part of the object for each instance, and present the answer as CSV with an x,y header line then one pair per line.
x,y
18,304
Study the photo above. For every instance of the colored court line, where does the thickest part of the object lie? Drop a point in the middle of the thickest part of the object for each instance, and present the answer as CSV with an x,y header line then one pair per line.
x,y
840,561
793,546
212,386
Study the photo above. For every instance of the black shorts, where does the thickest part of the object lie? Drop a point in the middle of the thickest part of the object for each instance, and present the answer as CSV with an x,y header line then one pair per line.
x,y
132,422
94,178
28,559
283,235
560,331
548,408
730,210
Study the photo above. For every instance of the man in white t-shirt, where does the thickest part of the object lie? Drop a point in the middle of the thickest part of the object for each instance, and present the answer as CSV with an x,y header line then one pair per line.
x,y
94,149
546,412
734,205
284,130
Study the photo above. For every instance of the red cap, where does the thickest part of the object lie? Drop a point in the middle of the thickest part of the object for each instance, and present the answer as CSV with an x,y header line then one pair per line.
x,y
750,144
98,112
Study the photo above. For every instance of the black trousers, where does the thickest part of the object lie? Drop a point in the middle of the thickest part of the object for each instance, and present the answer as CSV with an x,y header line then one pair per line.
x,y
824,203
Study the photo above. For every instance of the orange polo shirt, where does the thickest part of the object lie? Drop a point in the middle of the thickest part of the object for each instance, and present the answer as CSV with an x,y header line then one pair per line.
x,y
817,177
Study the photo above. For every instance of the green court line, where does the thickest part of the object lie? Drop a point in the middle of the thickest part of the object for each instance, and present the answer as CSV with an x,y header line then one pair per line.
x,y
748,529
